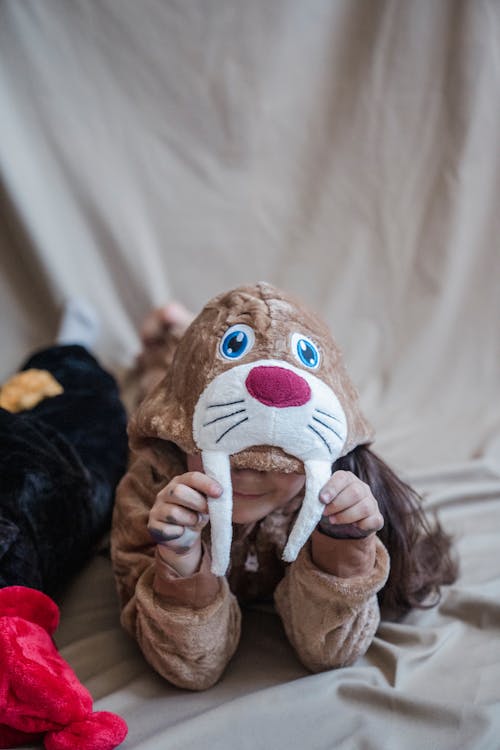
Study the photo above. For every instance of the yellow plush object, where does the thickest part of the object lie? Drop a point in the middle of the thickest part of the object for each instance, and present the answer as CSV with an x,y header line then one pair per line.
x,y
26,389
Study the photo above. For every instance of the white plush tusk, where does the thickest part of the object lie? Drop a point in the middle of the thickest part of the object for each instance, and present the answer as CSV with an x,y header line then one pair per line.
x,y
317,474
217,466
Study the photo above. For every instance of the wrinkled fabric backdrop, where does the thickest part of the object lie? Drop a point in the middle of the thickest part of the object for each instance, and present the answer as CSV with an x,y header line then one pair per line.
x,y
349,152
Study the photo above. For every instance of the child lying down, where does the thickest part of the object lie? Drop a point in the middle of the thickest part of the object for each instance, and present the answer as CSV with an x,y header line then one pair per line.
x,y
253,479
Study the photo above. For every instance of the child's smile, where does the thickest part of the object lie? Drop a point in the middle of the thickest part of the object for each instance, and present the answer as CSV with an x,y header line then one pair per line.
x,y
257,493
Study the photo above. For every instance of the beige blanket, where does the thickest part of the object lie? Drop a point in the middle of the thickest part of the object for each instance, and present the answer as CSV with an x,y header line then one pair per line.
x,y
348,151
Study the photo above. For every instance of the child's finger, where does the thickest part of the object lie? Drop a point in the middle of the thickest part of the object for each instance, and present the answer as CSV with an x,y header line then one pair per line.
x,y
181,495
192,495
358,513
163,533
355,511
339,481
180,541
353,493
199,481
371,523
174,527
175,514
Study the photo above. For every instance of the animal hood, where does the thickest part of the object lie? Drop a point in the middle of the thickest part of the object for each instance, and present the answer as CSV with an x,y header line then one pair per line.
x,y
257,382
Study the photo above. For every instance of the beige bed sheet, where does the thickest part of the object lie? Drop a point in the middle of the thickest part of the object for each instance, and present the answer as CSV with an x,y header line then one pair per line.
x,y
348,151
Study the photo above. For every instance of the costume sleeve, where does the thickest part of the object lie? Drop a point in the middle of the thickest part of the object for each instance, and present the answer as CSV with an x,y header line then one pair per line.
x,y
330,621
187,628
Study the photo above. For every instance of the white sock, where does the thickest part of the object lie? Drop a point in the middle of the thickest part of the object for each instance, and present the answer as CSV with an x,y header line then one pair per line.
x,y
79,324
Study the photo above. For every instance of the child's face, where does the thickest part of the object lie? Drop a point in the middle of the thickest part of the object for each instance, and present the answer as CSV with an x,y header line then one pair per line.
x,y
257,493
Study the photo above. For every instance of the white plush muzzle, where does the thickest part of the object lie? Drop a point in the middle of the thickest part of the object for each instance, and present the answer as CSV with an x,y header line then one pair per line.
x,y
236,412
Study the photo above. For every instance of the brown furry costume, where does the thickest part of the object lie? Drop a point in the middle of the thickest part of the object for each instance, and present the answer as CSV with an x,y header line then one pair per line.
x,y
293,408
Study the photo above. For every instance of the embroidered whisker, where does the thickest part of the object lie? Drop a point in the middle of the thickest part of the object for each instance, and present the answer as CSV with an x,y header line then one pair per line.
x,y
328,428
226,403
321,438
225,416
327,414
245,419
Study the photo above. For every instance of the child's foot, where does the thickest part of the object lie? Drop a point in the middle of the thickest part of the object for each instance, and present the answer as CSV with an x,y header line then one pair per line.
x,y
171,319
161,331
79,324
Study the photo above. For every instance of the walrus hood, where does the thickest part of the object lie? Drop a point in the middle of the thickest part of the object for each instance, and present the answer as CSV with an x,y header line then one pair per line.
x,y
257,382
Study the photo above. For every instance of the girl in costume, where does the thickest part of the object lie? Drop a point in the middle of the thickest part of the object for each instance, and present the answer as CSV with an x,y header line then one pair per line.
x,y
253,479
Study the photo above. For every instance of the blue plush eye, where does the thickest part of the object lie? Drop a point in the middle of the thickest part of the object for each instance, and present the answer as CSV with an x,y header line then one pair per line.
x,y
305,350
237,341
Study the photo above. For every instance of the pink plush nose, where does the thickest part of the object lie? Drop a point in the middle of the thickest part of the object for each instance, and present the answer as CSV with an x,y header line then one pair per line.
x,y
275,386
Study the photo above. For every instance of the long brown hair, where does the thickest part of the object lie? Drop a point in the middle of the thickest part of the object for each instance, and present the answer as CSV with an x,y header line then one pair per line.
x,y
420,552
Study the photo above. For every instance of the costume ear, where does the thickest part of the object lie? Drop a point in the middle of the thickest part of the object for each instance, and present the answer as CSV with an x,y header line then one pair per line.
x,y
29,604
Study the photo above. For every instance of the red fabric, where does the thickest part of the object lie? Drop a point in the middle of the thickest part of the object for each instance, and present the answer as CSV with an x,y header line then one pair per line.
x,y
276,386
99,731
13,737
31,605
39,692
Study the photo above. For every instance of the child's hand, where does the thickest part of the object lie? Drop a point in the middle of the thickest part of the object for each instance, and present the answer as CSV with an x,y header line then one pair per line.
x,y
177,518
351,510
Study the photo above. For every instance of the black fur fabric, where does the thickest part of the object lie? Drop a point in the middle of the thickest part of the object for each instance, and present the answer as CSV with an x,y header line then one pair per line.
x,y
59,466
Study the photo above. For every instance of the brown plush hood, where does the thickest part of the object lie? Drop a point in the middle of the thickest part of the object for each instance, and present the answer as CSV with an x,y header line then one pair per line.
x,y
257,380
